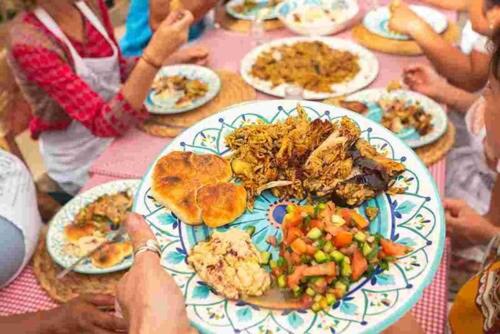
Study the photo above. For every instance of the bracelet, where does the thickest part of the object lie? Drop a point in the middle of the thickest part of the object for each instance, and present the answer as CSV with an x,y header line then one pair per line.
x,y
151,63
150,246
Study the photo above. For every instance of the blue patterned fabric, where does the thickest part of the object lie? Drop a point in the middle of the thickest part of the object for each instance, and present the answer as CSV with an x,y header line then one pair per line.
x,y
138,32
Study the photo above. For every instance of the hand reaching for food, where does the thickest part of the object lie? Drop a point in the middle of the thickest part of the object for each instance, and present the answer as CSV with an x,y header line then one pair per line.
x,y
148,296
425,80
466,226
403,20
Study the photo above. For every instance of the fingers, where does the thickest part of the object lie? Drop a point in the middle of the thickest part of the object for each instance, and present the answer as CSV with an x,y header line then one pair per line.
x,y
453,206
450,219
105,320
99,299
180,19
138,230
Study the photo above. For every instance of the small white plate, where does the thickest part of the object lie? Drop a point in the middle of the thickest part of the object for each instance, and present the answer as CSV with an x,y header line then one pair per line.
x,y
267,13
377,21
157,104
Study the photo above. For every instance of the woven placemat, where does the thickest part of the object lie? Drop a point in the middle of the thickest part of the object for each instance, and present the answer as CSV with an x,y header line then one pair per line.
x,y
233,90
432,153
72,284
402,48
226,21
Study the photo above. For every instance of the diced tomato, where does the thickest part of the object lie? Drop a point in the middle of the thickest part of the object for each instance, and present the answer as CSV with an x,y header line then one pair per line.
x,y
346,214
330,279
311,250
317,223
272,240
324,269
287,256
292,234
343,239
292,219
328,236
295,258
359,220
277,271
327,212
393,249
320,285
333,230
309,209
338,293
294,278
359,265
299,246
307,301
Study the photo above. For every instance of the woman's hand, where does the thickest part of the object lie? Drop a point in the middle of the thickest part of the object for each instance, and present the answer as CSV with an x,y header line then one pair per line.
x,y
84,315
403,20
170,35
466,226
149,297
425,80
190,55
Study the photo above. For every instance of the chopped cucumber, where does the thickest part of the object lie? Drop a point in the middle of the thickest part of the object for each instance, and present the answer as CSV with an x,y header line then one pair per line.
x,y
265,257
345,269
310,292
324,304
360,236
373,254
289,208
321,206
330,299
328,247
366,249
317,298
314,233
305,259
273,264
320,256
282,281
281,262
316,211
250,230
341,288
316,307
337,256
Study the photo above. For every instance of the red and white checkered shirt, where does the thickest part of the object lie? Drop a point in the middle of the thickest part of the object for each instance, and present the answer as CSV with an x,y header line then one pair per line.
x,y
57,78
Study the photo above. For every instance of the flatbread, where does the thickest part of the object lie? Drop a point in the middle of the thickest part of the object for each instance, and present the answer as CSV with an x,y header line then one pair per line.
x,y
221,203
112,254
178,176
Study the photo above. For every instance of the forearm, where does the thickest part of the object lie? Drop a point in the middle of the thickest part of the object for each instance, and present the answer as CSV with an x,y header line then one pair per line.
x,y
460,5
158,11
456,99
136,88
198,8
30,323
494,213
449,61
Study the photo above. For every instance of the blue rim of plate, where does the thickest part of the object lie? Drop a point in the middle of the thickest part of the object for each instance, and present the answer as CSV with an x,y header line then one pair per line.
x,y
439,236
192,72
55,239
377,21
247,16
439,121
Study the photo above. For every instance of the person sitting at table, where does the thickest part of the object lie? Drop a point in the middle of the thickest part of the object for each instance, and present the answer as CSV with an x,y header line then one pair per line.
x,y
82,91
467,71
145,16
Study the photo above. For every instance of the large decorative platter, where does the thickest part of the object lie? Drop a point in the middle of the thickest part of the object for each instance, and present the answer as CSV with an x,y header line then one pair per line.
x,y
158,104
377,21
367,61
410,136
55,235
414,218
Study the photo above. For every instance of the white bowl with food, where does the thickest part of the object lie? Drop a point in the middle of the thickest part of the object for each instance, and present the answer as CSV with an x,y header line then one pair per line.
x,y
317,17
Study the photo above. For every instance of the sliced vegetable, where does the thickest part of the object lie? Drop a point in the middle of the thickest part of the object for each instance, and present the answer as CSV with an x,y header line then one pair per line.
x,y
337,220
360,236
310,292
359,220
337,256
299,246
316,307
265,257
314,233
393,249
273,264
343,239
291,234
359,265
328,247
366,249
318,224
320,256
330,299
250,230
282,281
345,268
340,289
325,269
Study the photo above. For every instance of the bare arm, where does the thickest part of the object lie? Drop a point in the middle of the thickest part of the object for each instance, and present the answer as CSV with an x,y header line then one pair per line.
x,y
469,72
30,323
476,13
456,98
494,213
448,4
159,9
406,325
199,8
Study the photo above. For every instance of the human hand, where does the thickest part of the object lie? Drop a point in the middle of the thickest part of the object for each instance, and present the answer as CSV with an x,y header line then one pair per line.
x,y
425,80
84,315
191,55
403,20
170,35
466,226
148,296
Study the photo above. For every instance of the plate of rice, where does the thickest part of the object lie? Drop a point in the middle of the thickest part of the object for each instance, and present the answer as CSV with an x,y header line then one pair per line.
x,y
411,215
318,67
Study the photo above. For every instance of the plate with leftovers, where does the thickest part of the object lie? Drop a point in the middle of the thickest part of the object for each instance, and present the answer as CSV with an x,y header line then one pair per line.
x,y
252,9
341,231
181,88
413,117
320,67
89,220
377,21
318,17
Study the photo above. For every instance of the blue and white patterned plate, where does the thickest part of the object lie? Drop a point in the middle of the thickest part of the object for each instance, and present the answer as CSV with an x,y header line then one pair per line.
x,y
158,104
414,218
410,136
55,236
342,11
367,61
262,9
377,21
